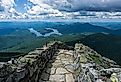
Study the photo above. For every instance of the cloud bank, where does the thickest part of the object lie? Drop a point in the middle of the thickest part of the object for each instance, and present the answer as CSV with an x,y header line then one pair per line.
x,y
61,9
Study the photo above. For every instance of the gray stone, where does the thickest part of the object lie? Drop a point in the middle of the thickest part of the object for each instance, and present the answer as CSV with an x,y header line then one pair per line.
x,y
61,71
57,78
58,63
45,77
69,78
70,68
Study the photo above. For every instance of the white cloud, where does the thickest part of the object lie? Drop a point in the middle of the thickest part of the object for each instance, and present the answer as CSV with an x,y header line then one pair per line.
x,y
40,3
34,10
65,9
43,8
7,3
8,6
12,10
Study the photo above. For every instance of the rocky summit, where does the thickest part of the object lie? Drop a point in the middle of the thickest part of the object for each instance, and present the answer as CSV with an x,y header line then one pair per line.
x,y
57,62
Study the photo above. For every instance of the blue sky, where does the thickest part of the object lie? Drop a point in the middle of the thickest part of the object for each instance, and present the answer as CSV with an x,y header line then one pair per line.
x,y
60,9
20,5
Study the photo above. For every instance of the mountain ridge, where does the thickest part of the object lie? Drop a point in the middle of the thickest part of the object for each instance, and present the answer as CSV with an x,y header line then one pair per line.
x,y
57,62
86,27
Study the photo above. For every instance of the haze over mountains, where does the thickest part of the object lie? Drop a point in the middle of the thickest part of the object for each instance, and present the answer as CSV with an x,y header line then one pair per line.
x,y
18,37
65,28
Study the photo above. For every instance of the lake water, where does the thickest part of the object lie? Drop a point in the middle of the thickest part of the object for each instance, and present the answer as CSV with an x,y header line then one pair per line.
x,y
35,27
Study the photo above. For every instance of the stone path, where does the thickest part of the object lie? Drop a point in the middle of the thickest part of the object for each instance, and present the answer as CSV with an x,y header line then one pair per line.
x,y
56,62
64,67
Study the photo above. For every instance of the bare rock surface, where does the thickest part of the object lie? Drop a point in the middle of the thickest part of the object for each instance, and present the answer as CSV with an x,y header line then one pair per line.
x,y
57,62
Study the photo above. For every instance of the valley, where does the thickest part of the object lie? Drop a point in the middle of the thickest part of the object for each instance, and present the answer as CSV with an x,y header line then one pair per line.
x,y
24,39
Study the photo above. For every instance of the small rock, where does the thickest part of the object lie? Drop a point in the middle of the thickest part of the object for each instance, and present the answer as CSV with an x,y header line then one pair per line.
x,y
57,78
61,71
69,78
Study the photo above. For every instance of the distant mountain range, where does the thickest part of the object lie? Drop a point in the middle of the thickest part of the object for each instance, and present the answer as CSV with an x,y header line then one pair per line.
x,y
64,28
85,28
105,41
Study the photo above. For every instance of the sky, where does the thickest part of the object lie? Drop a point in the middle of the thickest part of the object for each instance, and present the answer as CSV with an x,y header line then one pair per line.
x,y
60,9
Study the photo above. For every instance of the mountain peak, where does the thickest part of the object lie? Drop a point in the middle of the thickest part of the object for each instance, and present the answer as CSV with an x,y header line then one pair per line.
x,y
57,62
